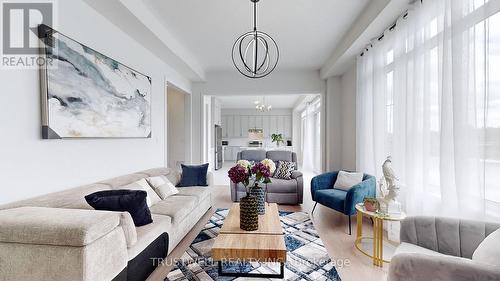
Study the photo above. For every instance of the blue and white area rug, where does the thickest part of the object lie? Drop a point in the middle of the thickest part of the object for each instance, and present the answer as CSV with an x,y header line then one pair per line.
x,y
307,258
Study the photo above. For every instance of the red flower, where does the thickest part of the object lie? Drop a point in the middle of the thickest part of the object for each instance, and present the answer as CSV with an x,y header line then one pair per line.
x,y
238,174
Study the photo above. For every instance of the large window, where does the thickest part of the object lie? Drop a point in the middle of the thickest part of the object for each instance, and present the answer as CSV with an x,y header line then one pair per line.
x,y
487,88
429,95
311,136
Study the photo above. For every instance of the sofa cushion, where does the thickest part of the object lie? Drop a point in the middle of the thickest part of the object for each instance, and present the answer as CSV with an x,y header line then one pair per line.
x,y
253,155
142,184
200,192
177,207
132,201
284,170
162,186
193,175
148,233
282,186
280,155
71,198
129,229
123,180
346,180
488,252
408,248
53,226
333,198
156,172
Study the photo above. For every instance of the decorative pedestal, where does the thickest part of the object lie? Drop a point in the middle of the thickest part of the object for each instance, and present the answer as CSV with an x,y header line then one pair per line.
x,y
390,207
249,217
259,194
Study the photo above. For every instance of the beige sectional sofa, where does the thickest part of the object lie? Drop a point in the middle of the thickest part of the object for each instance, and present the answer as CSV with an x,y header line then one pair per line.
x,y
60,237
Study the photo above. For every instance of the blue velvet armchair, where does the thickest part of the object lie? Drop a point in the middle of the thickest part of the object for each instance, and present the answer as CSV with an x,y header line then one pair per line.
x,y
322,192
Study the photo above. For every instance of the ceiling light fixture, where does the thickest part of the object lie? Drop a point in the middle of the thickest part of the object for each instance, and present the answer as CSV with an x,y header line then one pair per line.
x,y
262,107
255,53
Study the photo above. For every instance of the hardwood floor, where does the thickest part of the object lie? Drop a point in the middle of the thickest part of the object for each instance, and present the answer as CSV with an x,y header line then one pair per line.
x,y
331,226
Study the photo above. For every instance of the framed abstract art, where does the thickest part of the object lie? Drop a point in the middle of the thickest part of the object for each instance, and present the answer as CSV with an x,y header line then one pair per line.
x,y
86,94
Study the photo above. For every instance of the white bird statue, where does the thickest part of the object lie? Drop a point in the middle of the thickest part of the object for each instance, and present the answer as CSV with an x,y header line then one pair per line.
x,y
389,187
389,174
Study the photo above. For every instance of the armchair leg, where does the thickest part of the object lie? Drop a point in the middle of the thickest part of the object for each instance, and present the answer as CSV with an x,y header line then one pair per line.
x,y
314,208
349,224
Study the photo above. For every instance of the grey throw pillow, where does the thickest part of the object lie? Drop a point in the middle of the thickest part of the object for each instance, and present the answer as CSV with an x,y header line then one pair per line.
x,y
284,170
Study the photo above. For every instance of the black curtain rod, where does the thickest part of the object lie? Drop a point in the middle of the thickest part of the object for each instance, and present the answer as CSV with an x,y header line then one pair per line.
x,y
390,28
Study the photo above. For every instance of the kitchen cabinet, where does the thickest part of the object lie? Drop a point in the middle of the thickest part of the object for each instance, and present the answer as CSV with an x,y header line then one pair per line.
x,y
273,125
258,122
266,126
217,112
231,153
230,126
244,125
281,125
237,126
288,127
224,126
228,154
251,122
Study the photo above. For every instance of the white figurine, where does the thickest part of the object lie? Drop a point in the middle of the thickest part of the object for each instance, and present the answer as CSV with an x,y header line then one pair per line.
x,y
389,188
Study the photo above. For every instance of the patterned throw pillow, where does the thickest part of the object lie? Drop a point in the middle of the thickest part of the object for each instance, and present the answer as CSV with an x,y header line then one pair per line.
x,y
284,170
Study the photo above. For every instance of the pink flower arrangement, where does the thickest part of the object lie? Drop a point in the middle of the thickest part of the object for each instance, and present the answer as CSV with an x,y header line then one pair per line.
x,y
239,174
261,172
244,172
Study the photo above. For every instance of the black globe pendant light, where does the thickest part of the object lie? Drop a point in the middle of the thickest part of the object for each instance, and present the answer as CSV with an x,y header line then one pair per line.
x,y
255,53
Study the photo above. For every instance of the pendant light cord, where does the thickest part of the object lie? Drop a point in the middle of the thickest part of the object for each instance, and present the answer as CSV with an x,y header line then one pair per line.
x,y
255,37
255,16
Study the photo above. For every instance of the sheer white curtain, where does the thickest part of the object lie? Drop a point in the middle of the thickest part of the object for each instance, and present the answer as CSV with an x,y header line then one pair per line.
x,y
308,137
429,96
311,136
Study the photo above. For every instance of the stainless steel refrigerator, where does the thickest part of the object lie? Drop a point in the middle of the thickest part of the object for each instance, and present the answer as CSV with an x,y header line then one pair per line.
x,y
219,158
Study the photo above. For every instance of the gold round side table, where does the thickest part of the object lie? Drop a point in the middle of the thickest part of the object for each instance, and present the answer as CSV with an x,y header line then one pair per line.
x,y
378,232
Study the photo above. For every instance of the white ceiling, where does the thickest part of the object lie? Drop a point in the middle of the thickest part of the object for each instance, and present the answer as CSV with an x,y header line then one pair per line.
x,y
277,102
306,31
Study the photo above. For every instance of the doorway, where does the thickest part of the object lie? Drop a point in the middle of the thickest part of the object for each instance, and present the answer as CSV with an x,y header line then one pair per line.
x,y
178,129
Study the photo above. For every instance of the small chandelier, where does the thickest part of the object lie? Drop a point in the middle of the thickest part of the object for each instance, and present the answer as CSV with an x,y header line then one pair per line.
x,y
255,53
262,106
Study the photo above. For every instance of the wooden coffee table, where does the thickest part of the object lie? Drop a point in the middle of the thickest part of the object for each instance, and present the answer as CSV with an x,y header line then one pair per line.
x,y
267,244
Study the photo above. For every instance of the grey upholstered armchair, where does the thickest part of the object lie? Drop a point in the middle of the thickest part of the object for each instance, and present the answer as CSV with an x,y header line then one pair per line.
x,y
289,192
445,249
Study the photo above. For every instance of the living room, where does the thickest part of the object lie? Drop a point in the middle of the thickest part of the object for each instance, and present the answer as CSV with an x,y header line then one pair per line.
x,y
250,140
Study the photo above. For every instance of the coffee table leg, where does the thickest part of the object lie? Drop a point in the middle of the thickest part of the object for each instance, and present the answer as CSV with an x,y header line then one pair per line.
x,y
254,275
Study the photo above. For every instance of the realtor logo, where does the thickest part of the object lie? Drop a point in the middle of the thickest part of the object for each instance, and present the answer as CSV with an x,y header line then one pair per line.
x,y
20,24
20,21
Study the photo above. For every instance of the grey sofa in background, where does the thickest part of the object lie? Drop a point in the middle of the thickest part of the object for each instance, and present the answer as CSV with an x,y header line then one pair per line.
x,y
288,192
434,248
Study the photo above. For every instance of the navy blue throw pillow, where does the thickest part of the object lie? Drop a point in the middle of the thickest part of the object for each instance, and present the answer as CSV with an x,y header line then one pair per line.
x,y
193,175
121,200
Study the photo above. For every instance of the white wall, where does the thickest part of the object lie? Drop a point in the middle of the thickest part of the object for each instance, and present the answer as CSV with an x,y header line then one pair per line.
x,y
30,166
348,101
333,107
341,119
